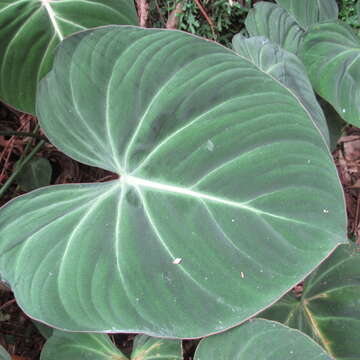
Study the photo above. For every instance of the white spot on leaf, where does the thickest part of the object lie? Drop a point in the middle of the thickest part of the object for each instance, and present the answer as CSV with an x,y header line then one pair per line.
x,y
177,261
210,145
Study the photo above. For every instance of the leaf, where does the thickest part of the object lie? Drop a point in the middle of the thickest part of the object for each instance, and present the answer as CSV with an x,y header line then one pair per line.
x,y
285,68
224,178
285,24
260,339
4,355
328,309
31,30
334,122
148,348
44,330
331,54
311,12
78,346
275,23
36,173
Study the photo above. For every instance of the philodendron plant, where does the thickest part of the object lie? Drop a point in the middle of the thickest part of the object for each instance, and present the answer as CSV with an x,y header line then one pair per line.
x,y
30,31
329,48
227,194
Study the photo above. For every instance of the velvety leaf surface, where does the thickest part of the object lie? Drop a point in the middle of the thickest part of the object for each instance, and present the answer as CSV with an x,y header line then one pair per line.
x,y
78,346
310,12
287,69
148,348
225,183
260,339
276,24
329,308
4,355
31,29
286,23
331,54
36,173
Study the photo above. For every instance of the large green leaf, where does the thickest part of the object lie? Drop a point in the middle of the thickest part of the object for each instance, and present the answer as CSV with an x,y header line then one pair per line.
x,y
285,68
77,346
31,29
4,355
225,183
331,54
260,340
328,309
285,24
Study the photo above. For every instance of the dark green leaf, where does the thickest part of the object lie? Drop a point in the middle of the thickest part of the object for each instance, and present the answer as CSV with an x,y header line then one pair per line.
x,y
31,29
276,24
225,183
334,122
311,12
285,68
260,340
329,308
331,54
36,173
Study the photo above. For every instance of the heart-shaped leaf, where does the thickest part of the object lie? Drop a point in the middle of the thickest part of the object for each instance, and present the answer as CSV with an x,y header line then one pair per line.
x,y
31,29
77,346
260,339
328,309
225,178
331,54
4,355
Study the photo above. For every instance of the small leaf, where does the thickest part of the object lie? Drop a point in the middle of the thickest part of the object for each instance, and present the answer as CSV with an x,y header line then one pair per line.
x,y
30,31
260,340
36,173
78,346
331,54
328,309
4,355
148,348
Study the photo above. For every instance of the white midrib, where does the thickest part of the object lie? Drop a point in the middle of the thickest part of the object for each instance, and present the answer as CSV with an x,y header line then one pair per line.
x,y
51,13
143,183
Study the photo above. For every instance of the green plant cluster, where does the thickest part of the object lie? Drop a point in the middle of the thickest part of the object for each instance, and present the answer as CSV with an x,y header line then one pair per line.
x,y
226,17
348,13
227,218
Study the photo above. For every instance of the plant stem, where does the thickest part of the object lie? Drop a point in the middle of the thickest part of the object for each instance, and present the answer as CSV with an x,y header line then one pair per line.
x,y
22,134
20,167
